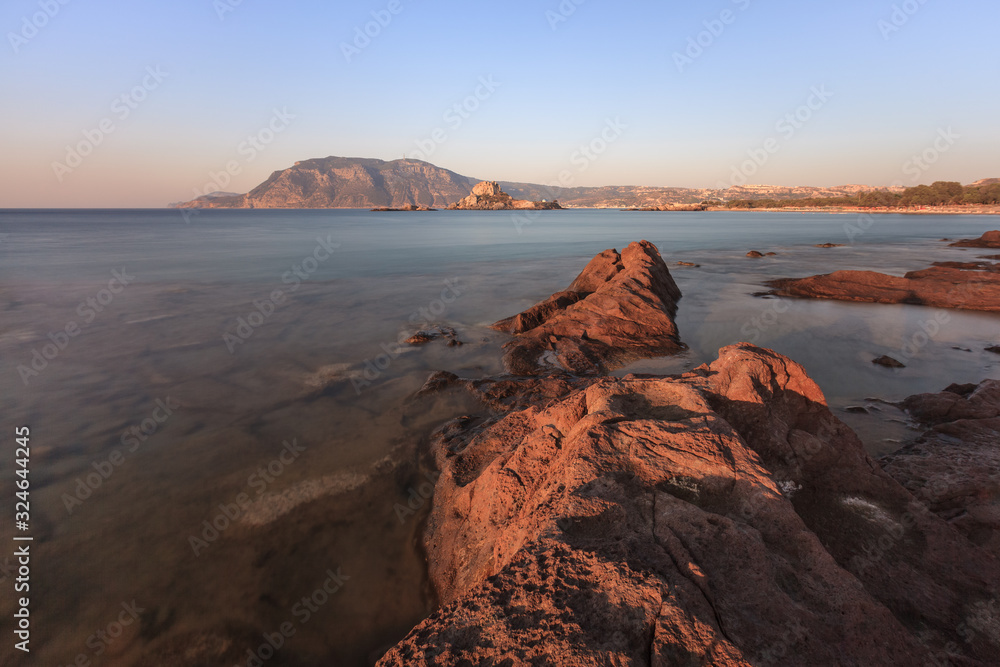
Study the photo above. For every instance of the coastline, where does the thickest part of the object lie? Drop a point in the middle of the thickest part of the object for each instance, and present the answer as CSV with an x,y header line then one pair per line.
x,y
857,210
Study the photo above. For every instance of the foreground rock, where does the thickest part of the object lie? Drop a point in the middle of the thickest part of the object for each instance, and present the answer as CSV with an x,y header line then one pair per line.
x,y
987,240
974,286
487,196
722,517
954,468
620,308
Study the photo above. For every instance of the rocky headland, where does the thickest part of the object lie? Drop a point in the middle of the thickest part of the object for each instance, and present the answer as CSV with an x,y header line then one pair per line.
x,y
348,182
720,517
960,285
489,196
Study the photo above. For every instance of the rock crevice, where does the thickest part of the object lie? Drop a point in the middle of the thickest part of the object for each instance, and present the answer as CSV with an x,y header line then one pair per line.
x,y
720,517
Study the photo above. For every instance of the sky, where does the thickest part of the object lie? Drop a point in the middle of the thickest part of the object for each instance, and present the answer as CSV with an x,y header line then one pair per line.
x,y
139,103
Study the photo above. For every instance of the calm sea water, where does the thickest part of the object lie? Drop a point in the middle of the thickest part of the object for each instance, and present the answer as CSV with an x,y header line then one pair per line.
x,y
244,364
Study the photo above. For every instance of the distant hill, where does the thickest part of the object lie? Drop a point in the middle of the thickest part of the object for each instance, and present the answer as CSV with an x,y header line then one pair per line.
x,y
340,182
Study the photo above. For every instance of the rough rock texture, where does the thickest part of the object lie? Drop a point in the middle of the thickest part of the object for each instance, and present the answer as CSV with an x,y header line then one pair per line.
x,y
956,402
723,517
433,333
987,240
341,182
938,286
954,468
621,307
487,196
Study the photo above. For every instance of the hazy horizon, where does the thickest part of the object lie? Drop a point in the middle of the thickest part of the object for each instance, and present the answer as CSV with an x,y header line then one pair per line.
x,y
163,99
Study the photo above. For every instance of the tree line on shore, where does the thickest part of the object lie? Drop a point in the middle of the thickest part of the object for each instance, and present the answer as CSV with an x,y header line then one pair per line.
x,y
939,193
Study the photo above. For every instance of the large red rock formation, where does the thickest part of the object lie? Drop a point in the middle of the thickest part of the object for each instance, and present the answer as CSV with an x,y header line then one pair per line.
x,y
987,240
621,307
722,517
940,286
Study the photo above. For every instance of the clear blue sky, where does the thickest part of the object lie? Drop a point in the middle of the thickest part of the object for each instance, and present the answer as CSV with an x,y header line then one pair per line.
x,y
558,86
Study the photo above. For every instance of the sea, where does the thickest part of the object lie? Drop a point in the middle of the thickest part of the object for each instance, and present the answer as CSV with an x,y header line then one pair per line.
x,y
224,438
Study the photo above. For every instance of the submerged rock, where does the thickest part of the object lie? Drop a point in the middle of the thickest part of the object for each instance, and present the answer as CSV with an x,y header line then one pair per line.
x,y
755,254
620,308
888,362
722,517
433,333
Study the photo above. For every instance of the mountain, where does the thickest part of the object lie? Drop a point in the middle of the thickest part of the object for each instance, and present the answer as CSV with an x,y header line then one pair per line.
x,y
340,182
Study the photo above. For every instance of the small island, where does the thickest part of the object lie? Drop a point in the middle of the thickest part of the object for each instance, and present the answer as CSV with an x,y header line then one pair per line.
x,y
487,196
